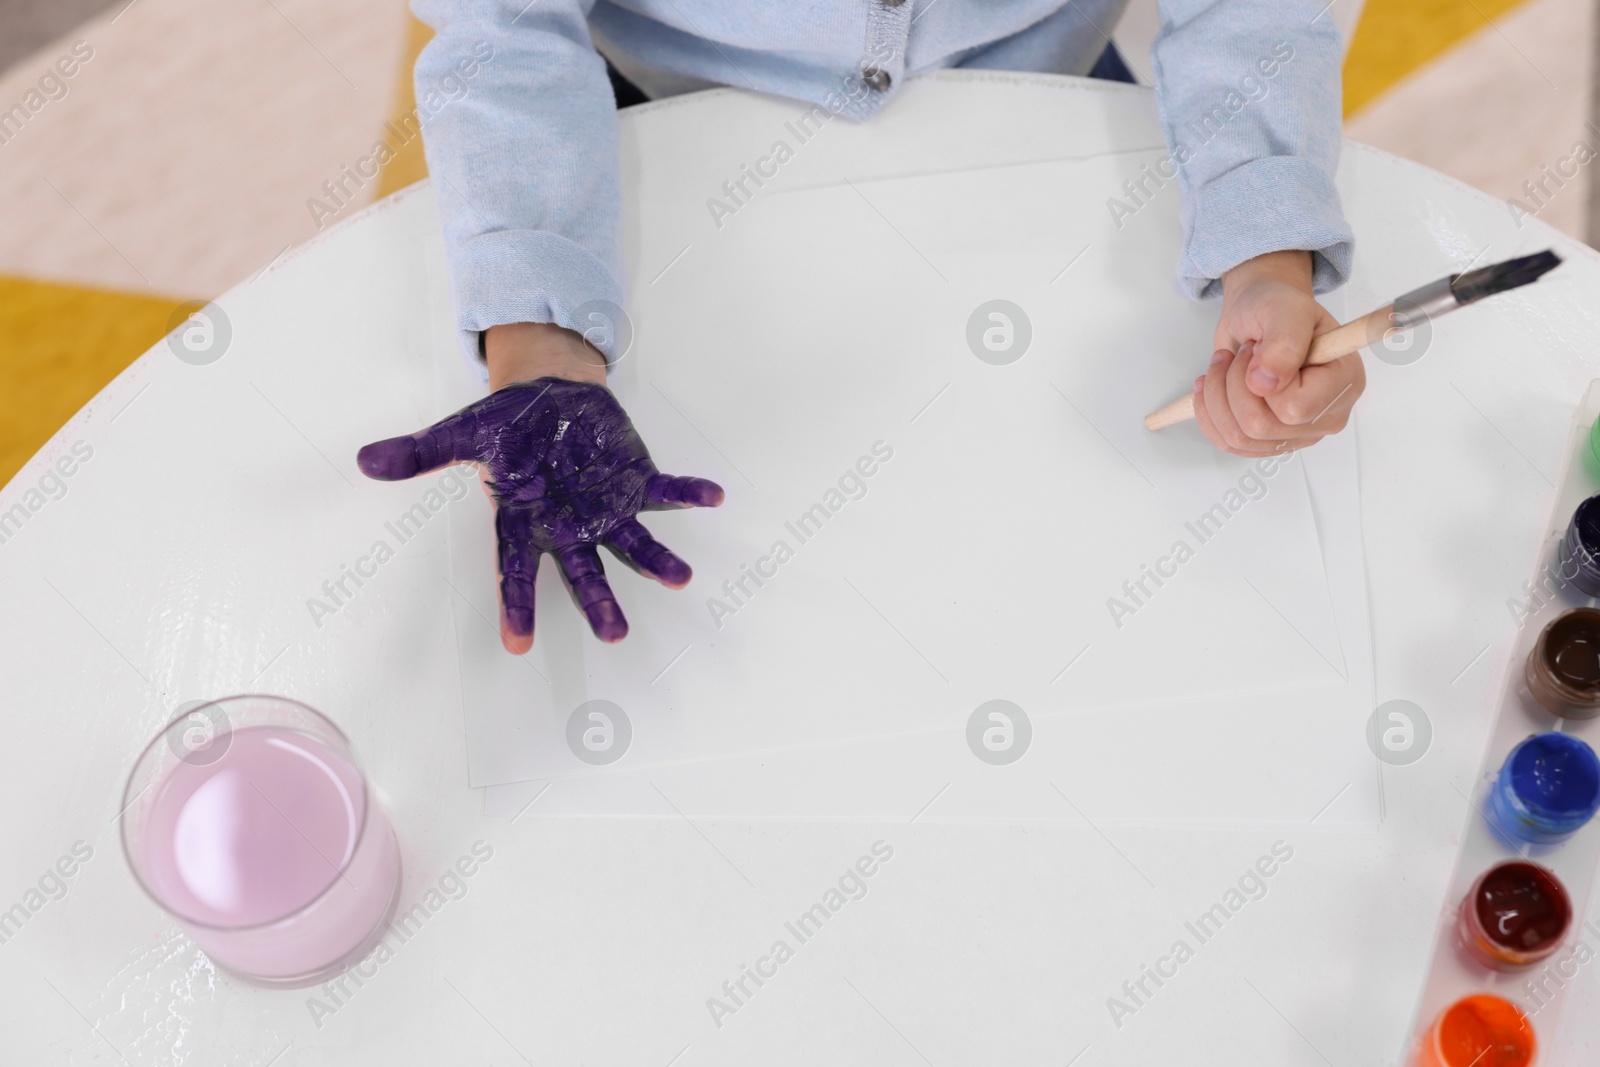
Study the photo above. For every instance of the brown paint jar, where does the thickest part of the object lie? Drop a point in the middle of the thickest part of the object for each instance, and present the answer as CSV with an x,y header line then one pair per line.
x,y
1563,671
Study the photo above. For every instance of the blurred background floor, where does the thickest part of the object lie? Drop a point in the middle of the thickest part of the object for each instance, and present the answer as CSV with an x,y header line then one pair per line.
x,y
179,156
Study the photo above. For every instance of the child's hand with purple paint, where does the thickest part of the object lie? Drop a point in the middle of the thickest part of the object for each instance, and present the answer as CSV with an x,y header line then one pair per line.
x,y
567,470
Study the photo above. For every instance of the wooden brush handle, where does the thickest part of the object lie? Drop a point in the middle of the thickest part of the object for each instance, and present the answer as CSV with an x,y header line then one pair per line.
x,y
1325,348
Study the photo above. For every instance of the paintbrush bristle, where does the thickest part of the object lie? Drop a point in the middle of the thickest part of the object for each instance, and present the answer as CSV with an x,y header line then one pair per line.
x,y
1498,277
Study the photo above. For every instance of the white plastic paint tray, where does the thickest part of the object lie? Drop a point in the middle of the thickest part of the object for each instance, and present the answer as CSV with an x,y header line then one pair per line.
x,y
1541,991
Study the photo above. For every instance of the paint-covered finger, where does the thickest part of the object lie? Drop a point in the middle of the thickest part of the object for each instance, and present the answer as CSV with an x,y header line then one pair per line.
x,y
634,546
592,593
396,458
519,566
667,491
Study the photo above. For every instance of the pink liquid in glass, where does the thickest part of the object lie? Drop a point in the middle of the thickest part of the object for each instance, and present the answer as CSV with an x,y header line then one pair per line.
x,y
271,857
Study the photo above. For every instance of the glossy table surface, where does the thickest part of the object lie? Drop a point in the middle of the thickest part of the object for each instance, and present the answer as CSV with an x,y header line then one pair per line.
x,y
210,496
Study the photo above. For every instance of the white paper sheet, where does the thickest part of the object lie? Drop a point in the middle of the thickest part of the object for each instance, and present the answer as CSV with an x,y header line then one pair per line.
x,y
916,602
1288,757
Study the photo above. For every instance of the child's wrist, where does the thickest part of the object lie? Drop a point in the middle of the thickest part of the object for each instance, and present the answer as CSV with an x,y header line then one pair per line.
x,y
523,351
1291,267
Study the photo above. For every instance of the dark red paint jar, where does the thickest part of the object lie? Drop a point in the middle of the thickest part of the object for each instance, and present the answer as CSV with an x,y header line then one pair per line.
x,y
1516,914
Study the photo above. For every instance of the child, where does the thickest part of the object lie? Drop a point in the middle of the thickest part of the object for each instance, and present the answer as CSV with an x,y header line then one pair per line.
x,y
526,174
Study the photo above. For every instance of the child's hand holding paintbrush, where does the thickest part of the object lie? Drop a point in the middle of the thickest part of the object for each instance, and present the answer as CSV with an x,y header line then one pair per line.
x,y
1285,375
1258,398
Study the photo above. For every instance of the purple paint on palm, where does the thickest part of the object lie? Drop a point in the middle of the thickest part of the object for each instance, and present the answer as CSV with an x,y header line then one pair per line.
x,y
569,473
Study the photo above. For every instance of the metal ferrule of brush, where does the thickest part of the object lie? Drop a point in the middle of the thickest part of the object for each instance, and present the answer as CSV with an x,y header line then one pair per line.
x,y
1421,305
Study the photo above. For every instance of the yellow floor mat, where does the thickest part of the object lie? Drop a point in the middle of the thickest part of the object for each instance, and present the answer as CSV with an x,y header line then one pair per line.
x,y
1395,37
407,165
59,346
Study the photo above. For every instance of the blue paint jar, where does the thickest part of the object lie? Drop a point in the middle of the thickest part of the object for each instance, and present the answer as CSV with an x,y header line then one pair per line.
x,y
1580,549
1547,789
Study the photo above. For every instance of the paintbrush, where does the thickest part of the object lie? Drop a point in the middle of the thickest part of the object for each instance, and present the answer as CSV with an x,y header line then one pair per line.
x,y
1407,312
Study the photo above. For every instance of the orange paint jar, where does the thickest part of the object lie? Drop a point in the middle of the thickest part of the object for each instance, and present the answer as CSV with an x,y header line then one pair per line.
x,y
1482,1030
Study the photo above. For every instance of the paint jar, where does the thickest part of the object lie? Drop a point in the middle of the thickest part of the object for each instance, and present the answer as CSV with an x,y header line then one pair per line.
x,y
1482,1030
1515,915
1563,670
1594,440
1580,549
1546,790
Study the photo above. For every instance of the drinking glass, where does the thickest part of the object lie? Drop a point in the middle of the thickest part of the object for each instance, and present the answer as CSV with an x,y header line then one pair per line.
x,y
250,822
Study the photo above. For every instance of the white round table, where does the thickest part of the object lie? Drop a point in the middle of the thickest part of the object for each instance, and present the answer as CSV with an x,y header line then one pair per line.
x,y
207,501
